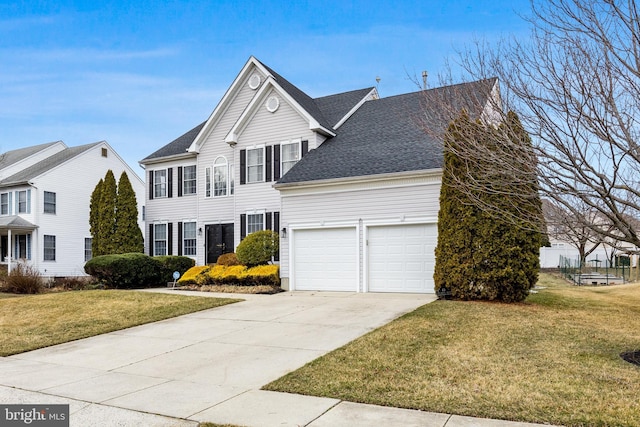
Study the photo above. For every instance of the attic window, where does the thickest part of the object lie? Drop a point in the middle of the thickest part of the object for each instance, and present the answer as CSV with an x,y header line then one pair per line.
x,y
272,104
104,152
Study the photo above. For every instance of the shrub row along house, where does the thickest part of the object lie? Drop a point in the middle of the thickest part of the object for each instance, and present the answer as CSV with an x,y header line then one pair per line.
x,y
45,192
350,182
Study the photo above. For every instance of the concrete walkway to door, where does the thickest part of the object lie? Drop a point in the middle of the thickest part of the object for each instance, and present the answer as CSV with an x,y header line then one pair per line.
x,y
210,365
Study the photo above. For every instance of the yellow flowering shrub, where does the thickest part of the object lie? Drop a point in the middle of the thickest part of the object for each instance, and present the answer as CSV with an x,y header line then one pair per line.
x,y
190,276
239,275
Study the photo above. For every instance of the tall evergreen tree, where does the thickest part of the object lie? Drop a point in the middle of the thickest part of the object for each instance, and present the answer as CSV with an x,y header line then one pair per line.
x,y
94,218
107,215
479,254
127,236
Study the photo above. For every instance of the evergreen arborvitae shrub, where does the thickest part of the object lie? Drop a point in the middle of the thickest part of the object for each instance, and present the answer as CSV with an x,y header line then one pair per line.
x,y
172,263
127,236
126,271
107,215
479,254
94,218
258,248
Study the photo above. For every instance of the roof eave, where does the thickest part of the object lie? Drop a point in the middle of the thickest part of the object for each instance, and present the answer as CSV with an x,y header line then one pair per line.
x,y
356,179
181,156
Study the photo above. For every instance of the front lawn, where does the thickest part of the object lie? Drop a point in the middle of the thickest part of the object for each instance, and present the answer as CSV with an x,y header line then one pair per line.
x,y
35,321
553,359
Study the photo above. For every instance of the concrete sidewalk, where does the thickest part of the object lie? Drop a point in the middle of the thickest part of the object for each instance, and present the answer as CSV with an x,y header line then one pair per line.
x,y
210,365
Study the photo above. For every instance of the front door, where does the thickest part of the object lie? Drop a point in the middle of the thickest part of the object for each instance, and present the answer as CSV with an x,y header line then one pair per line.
x,y
219,241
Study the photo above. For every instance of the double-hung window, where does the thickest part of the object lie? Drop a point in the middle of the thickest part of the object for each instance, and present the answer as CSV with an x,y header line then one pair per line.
x,y
49,202
220,177
160,183
159,239
290,155
255,164
5,204
49,248
22,201
255,222
88,248
189,238
189,180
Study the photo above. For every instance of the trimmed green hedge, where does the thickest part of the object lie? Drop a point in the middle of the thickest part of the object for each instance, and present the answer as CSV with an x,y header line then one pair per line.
x,y
126,271
171,263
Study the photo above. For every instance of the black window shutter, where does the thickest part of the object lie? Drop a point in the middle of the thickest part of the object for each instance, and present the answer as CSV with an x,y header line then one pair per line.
x,y
268,162
179,181
150,185
170,238
276,228
243,226
243,167
267,220
305,148
276,162
170,182
151,243
179,239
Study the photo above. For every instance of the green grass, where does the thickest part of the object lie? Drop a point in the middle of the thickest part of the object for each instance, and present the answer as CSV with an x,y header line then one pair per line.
x,y
36,321
553,359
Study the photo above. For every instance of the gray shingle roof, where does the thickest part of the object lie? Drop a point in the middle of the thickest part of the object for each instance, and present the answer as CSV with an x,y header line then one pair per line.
x,y
384,136
15,222
47,164
180,145
14,156
335,107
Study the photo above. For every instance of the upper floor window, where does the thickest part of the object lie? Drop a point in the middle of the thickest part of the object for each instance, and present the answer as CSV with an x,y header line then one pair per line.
x,y
189,180
220,177
5,203
22,201
49,202
49,248
255,164
160,183
290,155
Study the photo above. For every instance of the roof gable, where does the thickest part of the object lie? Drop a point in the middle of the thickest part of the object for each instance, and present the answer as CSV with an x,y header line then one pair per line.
x,y
177,147
336,108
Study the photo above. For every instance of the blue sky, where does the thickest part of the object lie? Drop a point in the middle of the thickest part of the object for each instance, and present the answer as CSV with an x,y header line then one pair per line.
x,y
140,73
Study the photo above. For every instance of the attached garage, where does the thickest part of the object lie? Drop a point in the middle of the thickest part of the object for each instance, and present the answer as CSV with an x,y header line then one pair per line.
x,y
325,259
400,258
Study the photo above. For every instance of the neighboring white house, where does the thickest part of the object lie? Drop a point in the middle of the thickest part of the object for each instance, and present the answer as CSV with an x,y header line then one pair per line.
x,y
45,192
350,181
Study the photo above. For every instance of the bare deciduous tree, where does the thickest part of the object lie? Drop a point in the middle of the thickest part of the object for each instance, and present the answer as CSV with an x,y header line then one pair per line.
x,y
575,84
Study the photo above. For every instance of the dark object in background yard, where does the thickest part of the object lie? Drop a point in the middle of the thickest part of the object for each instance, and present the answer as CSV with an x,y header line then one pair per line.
x,y
631,357
443,293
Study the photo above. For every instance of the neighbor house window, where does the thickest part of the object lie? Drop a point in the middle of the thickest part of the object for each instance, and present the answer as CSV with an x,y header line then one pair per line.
x,y
159,239
22,246
189,180
49,202
220,177
22,201
290,155
49,248
5,203
88,251
255,222
189,238
160,183
255,165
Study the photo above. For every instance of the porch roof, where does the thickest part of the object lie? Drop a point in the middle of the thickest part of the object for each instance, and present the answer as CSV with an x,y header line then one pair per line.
x,y
15,222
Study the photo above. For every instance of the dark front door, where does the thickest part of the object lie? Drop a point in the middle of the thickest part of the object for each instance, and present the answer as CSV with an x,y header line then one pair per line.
x,y
219,241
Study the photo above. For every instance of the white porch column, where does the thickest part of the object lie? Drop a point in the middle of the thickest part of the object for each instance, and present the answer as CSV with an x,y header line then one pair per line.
x,y
10,251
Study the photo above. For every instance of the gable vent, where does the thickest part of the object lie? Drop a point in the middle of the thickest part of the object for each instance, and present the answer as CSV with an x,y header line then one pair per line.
x,y
254,81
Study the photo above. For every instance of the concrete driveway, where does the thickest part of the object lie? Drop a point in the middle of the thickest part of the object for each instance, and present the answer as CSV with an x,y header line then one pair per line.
x,y
204,366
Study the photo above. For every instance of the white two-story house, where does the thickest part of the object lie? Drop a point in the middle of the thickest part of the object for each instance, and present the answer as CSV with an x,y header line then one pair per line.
x,y
338,177
45,192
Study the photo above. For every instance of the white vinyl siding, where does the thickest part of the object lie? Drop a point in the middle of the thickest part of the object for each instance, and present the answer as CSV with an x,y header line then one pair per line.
x,y
189,180
255,164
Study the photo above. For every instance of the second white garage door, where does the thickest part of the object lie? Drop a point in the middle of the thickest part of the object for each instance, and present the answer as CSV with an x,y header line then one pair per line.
x,y
401,258
325,259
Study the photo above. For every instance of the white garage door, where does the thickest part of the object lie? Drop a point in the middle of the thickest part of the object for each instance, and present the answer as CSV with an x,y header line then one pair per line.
x,y
401,258
325,259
